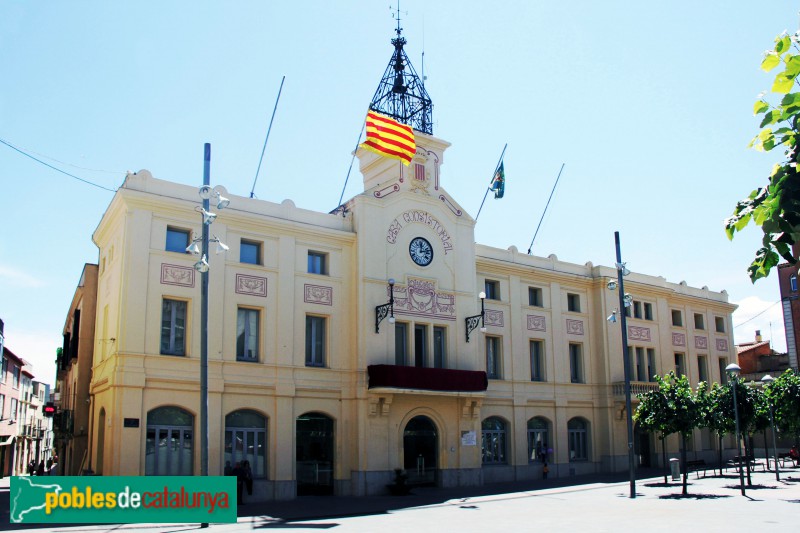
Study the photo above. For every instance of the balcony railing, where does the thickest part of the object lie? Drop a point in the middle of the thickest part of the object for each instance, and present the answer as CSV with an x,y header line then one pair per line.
x,y
637,387
432,379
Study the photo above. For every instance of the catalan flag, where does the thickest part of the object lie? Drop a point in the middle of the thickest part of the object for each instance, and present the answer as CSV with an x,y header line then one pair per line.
x,y
389,138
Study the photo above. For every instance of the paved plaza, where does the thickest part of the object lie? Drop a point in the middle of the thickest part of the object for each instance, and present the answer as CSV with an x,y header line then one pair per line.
x,y
714,503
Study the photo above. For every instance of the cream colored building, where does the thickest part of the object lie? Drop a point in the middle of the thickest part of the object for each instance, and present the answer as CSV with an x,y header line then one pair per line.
x,y
302,385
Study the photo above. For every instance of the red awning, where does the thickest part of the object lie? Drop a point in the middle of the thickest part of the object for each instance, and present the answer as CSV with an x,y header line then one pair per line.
x,y
434,379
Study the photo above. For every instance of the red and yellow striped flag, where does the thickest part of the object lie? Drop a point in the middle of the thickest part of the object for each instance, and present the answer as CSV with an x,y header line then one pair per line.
x,y
389,138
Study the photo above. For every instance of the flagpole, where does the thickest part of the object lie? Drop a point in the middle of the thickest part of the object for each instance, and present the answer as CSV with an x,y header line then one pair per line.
x,y
363,125
545,209
269,129
500,162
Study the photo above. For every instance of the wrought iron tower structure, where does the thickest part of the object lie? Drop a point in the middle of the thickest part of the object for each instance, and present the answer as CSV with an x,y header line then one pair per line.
x,y
401,93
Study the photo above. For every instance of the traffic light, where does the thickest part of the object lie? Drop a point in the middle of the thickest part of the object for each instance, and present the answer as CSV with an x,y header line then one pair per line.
x,y
49,409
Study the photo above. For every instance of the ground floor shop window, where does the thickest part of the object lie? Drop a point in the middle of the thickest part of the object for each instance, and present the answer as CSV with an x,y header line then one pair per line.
x,y
577,429
246,440
538,439
169,447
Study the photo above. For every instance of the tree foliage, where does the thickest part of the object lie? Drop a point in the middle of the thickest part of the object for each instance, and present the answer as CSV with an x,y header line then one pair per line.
x,y
775,207
784,394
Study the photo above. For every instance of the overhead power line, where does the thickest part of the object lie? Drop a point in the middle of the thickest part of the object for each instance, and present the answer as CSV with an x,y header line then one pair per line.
x,y
48,165
758,315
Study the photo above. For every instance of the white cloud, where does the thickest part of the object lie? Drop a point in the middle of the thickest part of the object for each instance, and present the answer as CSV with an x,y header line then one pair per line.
x,y
19,279
757,314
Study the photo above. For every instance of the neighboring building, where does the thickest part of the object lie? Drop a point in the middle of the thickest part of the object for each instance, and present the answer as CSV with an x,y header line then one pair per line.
x,y
10,395
757,359
74,372
787,282
321,396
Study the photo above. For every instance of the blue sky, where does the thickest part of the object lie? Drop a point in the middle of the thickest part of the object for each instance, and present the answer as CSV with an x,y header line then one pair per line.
x,y
648,104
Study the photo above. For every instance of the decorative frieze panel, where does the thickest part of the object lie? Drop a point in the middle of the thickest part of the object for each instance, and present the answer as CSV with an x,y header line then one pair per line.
x,y
177,275
701,343
316,294
420,298
678,339
574,327
722,345
493,318
636,333
537,323
251,285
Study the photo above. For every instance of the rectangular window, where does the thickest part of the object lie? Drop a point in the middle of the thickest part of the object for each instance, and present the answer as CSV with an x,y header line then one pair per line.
x,y
317,263
648,311
315,341
177,240
573,303
15,377
420,345
641,369
493,358
677,318
651,364
723,375
439,346
400,343
637,309
3,369
535,297
537,361
12,414
719,324
247,328
250,252
575,363
492,289
793,283
699,323
2,406
702,368
680,367
173,327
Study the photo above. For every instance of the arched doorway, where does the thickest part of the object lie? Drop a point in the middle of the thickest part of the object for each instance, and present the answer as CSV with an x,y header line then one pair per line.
x,y
169,445
641,447
420,449
101,439
314,454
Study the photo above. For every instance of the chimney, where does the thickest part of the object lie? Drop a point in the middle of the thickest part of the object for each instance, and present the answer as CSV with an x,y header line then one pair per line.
x,y
758,335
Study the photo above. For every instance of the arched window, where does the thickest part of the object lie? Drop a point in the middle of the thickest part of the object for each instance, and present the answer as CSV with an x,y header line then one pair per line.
x,y
493,441
169,447
578,431
538,439
246,440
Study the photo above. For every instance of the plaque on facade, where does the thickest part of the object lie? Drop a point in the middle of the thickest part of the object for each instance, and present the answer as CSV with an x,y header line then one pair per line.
x,y
537,323
316,294
252,285
130,423
701,343
678,339
177,275
493,318
469,438
574,327
722,345
636,333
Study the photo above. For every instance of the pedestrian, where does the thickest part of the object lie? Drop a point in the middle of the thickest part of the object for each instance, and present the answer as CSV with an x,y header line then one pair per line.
x,y
49,466
248,477
40,469
545,470
228,470
32,467
239,473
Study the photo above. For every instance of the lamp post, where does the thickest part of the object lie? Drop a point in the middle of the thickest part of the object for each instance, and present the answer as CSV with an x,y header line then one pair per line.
x,y
624,302
202,266
733,369
472,322
767,380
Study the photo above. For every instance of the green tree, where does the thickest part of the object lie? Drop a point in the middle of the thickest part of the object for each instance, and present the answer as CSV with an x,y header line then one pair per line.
x,y
775,207
677,411
717,408
649,416
784,393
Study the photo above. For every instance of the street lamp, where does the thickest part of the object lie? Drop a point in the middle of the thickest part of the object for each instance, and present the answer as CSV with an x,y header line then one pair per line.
x,y
767,381
624,301
381,311
472,321
733,370
206,193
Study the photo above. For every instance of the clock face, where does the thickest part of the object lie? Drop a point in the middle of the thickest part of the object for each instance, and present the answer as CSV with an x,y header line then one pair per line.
x,y
421,251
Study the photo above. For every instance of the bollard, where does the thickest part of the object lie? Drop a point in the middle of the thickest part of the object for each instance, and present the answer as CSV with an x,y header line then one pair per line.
x,y
675,469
